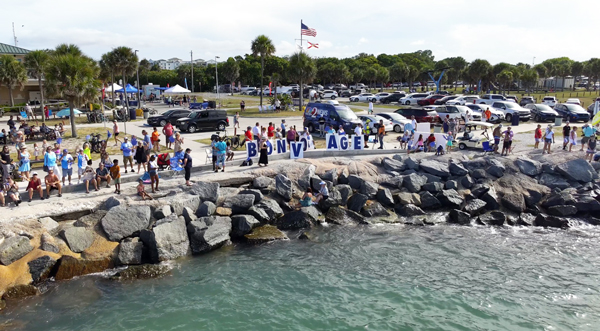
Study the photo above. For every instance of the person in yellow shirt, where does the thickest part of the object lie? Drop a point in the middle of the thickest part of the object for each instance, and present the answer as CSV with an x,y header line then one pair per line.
x,y
115,174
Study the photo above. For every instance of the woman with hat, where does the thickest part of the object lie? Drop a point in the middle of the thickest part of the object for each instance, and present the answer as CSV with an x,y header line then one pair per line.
x,y
24,163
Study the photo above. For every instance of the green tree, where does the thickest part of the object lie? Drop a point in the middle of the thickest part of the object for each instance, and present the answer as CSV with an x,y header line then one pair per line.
x,y
107,65
383,76
231,70
505,77
302,69
12,74
144,68
73,77
478,70
412,73
36,63
530,78
398,71
125,62
264,47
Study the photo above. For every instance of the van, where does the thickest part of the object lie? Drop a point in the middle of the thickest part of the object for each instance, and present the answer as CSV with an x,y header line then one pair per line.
x,y
334,115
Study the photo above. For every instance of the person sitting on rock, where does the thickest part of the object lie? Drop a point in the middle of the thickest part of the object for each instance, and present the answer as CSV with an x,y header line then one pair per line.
x,y
323,193
141,191
52,183
307,198
35,184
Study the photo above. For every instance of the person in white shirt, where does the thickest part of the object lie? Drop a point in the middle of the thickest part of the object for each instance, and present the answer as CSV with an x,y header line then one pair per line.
x,y
358,130
256,132
413,122
370,107
309,141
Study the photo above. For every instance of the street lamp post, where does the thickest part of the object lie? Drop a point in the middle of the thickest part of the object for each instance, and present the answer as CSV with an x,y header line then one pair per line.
x,y
217,78
137,73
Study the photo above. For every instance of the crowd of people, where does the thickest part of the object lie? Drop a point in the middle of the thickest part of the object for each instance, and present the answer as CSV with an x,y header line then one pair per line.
x,y
588,141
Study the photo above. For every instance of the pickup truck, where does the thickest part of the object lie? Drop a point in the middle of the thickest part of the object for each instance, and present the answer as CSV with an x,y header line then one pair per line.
x,y
489,99
510,109
359,86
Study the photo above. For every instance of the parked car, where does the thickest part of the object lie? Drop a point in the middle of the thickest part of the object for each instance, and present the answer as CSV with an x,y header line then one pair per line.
x,y
333,115
412,98
574,101
526,100
512,97
394,97
442,101
381,95
421,115
430,99
250,90
374,122
457,111
550,101
443,92
397,120
463,100
170,116
510,109
329,94
363,97
211,119
489,99
497,116
571,112
345,93
359,86
541,112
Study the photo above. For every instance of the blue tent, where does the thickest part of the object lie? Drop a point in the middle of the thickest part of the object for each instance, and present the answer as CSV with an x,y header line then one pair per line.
x,y
128,89
67,112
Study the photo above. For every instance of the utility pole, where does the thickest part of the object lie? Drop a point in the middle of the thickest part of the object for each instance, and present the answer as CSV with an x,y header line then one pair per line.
x,y
192,64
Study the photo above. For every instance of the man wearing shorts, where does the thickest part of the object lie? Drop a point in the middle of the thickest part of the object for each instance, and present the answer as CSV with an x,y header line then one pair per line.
x,y
35,185
566,135
102,175
66,162
127,149
82,160
116,132
508,136
52,183
497,135
115,174
588,131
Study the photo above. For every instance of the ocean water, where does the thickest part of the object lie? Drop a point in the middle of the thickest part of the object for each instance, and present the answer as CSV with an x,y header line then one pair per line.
x,y
388,277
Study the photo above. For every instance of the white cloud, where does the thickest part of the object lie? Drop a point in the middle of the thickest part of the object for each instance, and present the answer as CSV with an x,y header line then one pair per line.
x,y
363,40
418,42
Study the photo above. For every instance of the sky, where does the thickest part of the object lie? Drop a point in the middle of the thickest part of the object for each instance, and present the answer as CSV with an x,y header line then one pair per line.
x,y
528,31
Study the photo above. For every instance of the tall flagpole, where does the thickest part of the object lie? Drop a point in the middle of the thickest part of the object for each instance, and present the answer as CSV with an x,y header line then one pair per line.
x,y
301,87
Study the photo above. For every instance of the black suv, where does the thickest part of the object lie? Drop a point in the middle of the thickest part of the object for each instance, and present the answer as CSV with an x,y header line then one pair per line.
x,y
394,97
210,119
171,115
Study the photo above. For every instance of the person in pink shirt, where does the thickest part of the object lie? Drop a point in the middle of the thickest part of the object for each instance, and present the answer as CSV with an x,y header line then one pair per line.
x,y
168,132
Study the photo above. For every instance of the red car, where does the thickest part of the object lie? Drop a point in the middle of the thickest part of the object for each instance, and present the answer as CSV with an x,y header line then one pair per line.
x,y
421,115
430,100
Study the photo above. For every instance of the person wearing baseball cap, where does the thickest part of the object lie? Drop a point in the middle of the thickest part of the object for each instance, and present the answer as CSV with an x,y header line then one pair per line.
x,y
66,162
323,192
127,149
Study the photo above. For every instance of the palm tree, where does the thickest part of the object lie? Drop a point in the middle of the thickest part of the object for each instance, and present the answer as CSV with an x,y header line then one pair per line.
x,y
303,69
36,62
398,71
264,47
477,70
383,76
12,73
145,66
505,77
125,61
72,77
107,63
64,49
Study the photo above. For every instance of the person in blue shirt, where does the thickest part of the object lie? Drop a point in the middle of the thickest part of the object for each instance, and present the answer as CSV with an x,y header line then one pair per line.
x,y
588,131
147,141
221,149
66,162
127,149
50,161
82,160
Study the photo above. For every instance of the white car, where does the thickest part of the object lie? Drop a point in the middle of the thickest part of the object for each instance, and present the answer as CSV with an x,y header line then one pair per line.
x,y
574,101
397,120
381,95
363,97
550,101
329,94
510,109
374,122
412,98
463,100
497,116
457,111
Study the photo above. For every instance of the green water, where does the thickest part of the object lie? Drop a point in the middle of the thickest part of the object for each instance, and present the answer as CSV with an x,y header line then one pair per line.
x,y
362,278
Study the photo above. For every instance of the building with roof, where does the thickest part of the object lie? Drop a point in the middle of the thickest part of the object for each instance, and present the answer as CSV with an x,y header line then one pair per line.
x,y
31,91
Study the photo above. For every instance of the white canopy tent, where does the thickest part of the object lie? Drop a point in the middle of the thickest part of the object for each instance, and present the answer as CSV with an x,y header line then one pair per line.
x,y
114,87
176,90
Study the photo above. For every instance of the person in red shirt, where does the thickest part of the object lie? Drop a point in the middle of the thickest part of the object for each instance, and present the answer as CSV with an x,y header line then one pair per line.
x,y
538,136
431,143
271,130
247,135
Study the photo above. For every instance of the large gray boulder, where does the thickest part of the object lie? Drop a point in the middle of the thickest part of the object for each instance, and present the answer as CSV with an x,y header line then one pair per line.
x,y
335,199
561,198
435,168
479,174
586,203
257,194
262,182
405,198
121,222
393,165
130,252
491,199
369,189
345,192
269,207
475,207
562,210
204,239
428,201
294,220
240,203
459,217
313,212
495,171
78,238
111,202
331,176
305,179
207,208
357,201
411,163
264,234
408,210
553,181
451,184
433,187
355,181
342,216
168,240
48,243
162,212
40,268
385,197
457,169
259,214
90,220
206,191
528,166
414,182
551,221
50,225
577,170
526,219
492,218
374,209
14,248
242,225
466,181
451,199
283,186
181,201
514,202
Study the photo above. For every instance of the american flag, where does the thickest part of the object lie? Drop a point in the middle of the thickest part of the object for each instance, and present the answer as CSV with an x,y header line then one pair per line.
x,y
307,31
